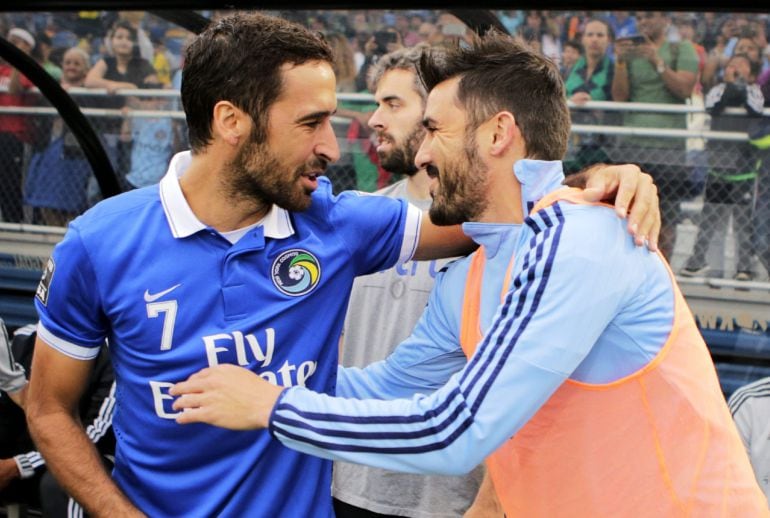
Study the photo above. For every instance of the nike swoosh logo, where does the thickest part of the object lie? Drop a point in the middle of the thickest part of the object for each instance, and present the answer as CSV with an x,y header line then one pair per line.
x,y
156,296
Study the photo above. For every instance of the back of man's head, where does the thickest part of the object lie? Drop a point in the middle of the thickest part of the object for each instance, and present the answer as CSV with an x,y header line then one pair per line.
x,y
238,59
500,74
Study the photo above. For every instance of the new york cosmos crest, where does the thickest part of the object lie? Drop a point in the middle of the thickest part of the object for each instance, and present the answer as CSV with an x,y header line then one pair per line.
x,y
296,272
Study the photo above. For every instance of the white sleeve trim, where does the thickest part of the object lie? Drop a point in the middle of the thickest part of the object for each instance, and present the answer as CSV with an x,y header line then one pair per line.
x,y
27,462
411,233
75,351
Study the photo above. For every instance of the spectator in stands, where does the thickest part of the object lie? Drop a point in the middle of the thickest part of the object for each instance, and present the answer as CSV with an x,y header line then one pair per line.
x,y
42,54
344,62
511,20
717,58
57,176
590,80
551,40
732,168
153,140
575,24
623,24
707,29
747,43
685,24
537,34
15,130
123,70
750,407
24,478
760,139
657,71
428,33
759,30
573,51
379,44
409,36
161,62
142,40
591,77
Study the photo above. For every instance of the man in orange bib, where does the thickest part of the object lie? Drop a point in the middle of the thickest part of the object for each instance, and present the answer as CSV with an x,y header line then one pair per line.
x,y
587,385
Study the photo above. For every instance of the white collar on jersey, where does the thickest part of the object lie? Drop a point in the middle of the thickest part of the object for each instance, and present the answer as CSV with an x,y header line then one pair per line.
x,y
183,222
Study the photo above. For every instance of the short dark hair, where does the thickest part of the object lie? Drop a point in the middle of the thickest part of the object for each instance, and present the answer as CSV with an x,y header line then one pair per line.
x,y
755,67
575,44
603,21
124,24
498,73
238,59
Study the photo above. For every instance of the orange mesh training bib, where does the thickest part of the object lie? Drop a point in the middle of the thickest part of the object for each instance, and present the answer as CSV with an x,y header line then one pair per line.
x,y
657,443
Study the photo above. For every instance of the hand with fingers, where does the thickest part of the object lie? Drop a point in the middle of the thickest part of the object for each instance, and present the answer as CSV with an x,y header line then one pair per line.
x,y
227,396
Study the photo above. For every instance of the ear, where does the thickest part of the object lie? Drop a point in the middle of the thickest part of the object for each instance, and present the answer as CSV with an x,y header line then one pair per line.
x,y
230,123
504,133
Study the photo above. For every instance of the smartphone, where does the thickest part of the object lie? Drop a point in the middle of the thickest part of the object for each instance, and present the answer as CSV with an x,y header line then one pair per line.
x,y
635,40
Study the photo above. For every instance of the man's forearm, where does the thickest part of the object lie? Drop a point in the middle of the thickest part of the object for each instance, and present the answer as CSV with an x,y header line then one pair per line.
x,y
680,84
77,466
620,85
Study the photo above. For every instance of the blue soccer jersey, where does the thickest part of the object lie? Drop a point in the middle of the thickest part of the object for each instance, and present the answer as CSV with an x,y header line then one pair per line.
x,y
173,296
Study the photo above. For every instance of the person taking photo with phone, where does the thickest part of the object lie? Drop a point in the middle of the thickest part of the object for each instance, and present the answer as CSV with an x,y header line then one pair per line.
x,y
650,69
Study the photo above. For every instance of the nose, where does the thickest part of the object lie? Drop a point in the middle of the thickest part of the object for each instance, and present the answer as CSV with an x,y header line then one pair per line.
x,y
423,157
327,146
375,121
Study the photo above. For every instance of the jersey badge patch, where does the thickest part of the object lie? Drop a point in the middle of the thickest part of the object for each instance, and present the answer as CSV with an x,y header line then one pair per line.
x,y
296,272
45,282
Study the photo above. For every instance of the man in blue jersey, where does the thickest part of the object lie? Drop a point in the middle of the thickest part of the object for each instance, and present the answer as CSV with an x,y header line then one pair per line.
x,y
590,376
240,255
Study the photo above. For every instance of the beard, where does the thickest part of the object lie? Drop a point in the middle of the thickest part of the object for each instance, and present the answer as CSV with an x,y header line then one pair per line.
x,y
461,192
400,160
256,174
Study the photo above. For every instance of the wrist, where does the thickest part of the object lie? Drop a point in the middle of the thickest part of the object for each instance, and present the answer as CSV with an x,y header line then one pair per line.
x,y
20,468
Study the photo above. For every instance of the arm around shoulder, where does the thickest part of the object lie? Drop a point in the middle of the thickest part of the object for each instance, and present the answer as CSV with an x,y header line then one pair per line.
x,y
437,242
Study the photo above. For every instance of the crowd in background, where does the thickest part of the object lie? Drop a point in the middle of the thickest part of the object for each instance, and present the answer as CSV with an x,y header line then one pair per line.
x,y
658,57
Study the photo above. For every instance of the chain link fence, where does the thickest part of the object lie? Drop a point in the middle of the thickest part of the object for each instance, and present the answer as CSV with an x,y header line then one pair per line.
x,y
713,195
713,191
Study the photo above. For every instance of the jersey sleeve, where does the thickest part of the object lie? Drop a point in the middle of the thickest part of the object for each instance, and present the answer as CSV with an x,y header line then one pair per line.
x,y
379,231
420,364
68,301
540,335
